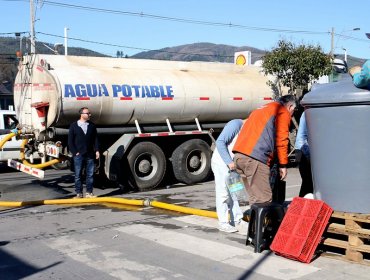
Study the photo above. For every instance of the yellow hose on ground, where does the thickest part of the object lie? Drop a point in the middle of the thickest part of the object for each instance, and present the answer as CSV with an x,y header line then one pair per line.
x,y
6,139
183,209
137,202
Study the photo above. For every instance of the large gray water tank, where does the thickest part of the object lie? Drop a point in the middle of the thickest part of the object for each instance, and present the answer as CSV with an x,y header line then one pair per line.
x,y
338,121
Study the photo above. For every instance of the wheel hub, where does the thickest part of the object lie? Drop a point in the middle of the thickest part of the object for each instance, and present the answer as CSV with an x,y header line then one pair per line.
x,y
194,162
144,166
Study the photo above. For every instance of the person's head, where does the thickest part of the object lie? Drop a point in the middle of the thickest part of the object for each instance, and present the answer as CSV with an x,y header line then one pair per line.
x,y
84,114
355,69
290,102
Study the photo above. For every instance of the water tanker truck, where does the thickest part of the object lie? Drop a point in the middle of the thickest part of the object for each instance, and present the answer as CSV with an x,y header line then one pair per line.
x,y
153,117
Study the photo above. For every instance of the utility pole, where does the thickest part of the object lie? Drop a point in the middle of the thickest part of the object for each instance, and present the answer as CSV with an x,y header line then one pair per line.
x,y
332,42
345,54
65,41
32,16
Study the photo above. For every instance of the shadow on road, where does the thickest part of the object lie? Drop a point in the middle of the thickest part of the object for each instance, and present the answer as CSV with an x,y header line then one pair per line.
x,y
13,267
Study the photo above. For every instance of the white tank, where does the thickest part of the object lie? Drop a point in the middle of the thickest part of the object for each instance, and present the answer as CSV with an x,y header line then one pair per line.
x,y
119,91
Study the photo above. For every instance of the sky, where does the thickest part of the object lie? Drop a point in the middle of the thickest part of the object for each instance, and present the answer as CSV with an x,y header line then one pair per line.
x,y
140,25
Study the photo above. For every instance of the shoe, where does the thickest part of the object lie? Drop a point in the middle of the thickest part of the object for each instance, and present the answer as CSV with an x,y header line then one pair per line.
x,y
90,195
227,228
79,195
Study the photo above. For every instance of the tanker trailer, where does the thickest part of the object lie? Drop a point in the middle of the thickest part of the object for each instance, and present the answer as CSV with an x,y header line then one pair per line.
x,y
152,116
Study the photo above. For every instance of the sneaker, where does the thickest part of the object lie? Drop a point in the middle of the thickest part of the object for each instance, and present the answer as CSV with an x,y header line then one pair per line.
x,y
79,195
90,195
227,228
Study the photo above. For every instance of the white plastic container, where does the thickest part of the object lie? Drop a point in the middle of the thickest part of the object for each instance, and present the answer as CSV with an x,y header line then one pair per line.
x,y
236,186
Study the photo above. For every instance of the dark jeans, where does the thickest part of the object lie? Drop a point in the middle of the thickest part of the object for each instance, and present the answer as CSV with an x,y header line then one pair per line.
x,y
306,175
79,162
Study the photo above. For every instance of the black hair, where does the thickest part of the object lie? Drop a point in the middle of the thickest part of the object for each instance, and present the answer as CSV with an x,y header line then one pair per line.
x,y
82,109
289,98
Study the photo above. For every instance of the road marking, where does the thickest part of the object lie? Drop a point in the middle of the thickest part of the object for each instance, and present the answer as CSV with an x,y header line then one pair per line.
x,y
198,221
108,261
270,266
210,223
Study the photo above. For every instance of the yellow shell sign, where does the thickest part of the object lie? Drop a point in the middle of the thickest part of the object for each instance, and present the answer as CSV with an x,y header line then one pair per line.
x,y
241,60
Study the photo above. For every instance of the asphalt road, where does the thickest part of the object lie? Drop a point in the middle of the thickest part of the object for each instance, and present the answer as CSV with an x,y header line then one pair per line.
x,y
109,242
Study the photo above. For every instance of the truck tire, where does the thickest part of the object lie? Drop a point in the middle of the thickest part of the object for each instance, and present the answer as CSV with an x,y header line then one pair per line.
x,y
191,161
147,164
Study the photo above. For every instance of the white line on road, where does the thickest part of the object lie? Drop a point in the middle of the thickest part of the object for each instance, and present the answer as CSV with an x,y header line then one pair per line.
x,y
271,266
105,260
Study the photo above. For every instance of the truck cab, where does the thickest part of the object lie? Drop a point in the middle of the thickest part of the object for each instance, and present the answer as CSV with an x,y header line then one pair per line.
x,y
11,149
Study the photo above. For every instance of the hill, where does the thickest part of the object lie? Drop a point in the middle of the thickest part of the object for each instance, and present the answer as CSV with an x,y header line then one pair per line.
x,y
8,60
200,52
10,45
216,52
189,52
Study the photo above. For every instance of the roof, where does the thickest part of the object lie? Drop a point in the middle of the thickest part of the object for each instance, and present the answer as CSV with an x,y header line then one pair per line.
x,y
6,88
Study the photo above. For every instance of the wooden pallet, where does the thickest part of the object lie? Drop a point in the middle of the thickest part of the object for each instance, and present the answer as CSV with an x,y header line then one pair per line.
x,y
347,237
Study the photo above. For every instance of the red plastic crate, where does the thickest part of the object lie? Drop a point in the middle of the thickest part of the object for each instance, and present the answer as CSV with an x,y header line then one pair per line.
x,y
301,229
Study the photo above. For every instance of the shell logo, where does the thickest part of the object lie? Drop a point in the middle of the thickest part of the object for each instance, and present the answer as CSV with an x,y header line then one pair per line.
x,y
241,60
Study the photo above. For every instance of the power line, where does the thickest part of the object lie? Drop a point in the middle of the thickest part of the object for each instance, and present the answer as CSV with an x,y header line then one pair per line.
x,y
159,51
128,47
183,20
176,19
352,38
12,33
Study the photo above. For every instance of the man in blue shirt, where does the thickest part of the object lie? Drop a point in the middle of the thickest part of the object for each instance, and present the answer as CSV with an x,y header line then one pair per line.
x,y
221,164
361,75
302,153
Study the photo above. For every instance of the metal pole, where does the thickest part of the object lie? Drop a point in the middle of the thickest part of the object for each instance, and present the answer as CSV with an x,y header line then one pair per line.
x,y
65,41
32,16
20,44
332,42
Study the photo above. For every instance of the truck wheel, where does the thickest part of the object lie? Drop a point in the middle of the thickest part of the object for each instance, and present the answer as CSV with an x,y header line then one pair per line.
x,y
147,164
191,161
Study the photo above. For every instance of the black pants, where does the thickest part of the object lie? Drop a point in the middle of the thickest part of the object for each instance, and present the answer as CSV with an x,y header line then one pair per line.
x,y
306,175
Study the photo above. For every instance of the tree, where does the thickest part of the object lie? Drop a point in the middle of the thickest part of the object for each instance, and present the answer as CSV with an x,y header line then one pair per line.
x,y
8,68
295,66
120,54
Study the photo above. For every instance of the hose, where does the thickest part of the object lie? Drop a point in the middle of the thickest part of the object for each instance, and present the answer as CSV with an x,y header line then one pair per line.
x,y
22,156
6,139
39,165
136,202
147,202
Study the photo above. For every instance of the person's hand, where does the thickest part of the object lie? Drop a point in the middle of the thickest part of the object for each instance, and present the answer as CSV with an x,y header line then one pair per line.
x,y
298,155
97,154
231,166
283,172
